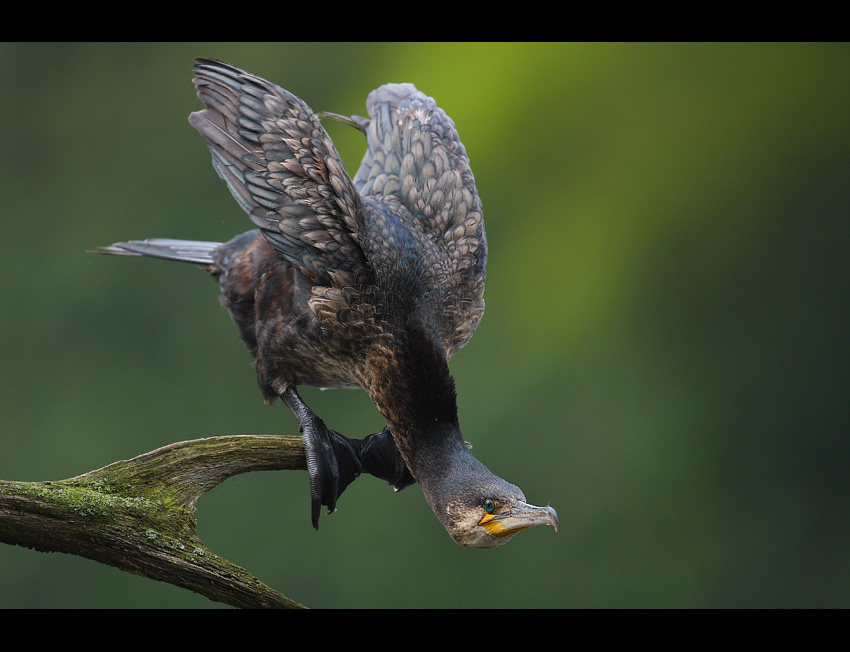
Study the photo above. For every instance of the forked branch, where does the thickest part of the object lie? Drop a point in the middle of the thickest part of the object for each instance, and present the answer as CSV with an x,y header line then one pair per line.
x,y
139,515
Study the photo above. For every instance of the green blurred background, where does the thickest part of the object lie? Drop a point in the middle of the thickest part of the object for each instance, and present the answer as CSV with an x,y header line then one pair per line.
x,y
664,356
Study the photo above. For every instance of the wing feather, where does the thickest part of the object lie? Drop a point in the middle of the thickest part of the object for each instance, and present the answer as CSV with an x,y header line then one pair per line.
x,y
414,156
282,169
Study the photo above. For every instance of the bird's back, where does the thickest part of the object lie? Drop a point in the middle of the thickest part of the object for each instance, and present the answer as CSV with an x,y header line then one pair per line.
x,y
422,210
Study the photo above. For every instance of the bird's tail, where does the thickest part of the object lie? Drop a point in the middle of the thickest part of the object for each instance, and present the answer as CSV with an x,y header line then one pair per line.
x,y
187,251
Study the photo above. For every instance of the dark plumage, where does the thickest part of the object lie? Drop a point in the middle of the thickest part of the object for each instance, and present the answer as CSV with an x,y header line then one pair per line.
x,y
372,283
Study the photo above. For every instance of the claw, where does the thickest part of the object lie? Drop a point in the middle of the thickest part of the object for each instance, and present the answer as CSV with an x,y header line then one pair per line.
x,y
332,464
322,467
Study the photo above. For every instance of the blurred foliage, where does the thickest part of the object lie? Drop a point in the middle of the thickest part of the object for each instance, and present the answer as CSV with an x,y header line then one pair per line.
x,y
664,356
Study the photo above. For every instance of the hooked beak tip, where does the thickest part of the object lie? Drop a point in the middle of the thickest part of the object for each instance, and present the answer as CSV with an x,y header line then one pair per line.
x,y
553,517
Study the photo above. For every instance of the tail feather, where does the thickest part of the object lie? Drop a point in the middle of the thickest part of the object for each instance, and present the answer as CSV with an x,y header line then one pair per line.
x,y
188,251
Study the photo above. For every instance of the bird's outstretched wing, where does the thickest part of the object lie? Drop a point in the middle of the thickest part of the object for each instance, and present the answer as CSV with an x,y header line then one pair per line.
x,y
415,156
282,168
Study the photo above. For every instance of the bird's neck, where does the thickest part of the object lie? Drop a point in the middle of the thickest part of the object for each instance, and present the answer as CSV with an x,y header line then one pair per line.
x,y
426,434
421,411
432,449
408,378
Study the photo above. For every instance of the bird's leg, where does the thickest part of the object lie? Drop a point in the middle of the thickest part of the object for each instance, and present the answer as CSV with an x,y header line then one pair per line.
x,y
332,459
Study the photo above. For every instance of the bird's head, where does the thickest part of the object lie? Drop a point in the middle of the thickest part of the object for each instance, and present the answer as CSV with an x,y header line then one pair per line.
x,y
493,516
478,508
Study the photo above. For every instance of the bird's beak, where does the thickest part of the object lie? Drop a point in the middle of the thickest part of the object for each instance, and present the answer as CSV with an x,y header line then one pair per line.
x,y
519,517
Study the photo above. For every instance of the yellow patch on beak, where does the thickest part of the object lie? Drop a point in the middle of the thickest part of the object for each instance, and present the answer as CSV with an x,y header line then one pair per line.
x,y
497,527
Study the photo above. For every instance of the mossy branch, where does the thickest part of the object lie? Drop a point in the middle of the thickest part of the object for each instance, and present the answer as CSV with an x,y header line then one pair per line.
x,y
139,515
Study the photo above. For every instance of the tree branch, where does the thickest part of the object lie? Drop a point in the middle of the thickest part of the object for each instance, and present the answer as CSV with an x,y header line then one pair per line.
x,y
139,515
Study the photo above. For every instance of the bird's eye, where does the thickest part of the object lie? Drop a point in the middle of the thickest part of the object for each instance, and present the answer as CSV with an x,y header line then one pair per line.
x,y
489,506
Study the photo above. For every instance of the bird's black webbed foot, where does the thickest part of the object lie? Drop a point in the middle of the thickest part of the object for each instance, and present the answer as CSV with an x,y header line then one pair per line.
x,y
333,462
379,456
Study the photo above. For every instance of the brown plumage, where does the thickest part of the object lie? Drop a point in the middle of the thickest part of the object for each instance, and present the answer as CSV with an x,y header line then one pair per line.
x,y
373,282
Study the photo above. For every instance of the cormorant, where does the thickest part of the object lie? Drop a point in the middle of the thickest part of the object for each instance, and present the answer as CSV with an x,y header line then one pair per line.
x,y
372,283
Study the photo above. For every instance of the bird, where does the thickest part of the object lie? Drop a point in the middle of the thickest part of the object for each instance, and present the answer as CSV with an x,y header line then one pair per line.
x,y
371,282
